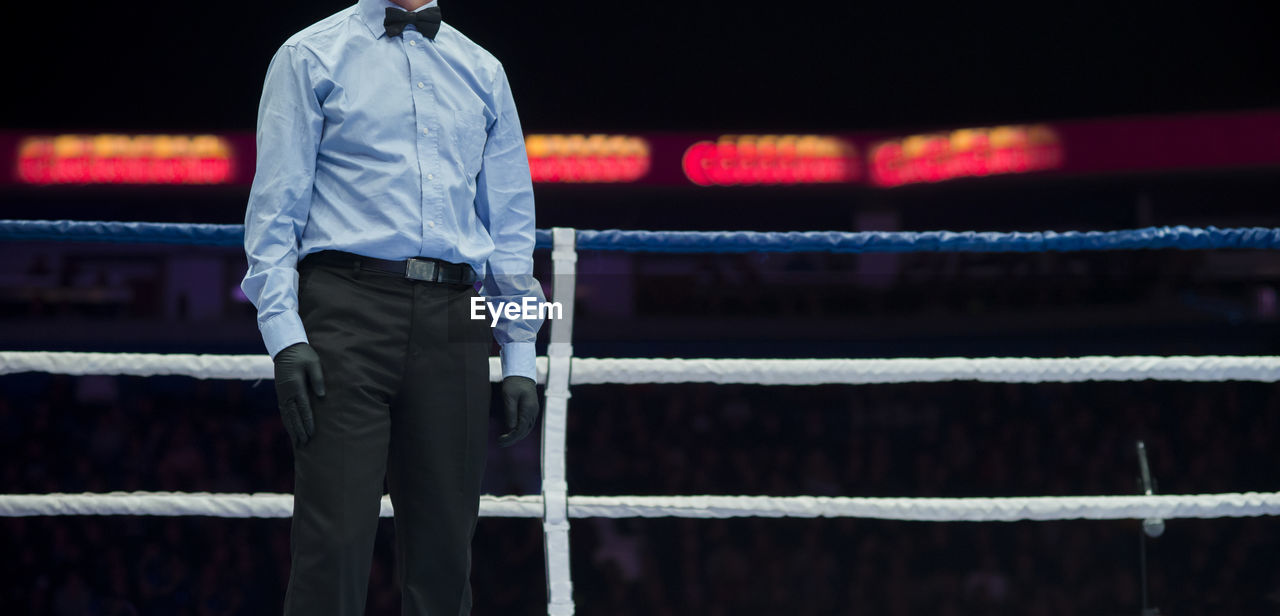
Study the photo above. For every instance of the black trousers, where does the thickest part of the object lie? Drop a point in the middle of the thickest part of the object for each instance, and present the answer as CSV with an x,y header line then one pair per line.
x,y
406,376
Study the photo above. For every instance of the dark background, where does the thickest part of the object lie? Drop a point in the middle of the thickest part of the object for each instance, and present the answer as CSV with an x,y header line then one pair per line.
x,y
634,66
712,67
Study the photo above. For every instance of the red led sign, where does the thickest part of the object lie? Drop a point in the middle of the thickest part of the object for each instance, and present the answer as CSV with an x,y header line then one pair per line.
x,y
124,159
582,158
971,152
770,159
1156,144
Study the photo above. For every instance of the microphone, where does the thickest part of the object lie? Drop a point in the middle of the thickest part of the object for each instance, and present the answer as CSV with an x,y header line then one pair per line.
x,y
1153,527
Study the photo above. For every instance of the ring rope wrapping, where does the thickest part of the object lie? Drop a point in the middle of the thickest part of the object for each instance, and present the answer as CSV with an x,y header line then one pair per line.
x,y
599,371
1149,238
1011,509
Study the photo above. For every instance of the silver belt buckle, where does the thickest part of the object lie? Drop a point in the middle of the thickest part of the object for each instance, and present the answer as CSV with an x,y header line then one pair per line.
x,y
420,269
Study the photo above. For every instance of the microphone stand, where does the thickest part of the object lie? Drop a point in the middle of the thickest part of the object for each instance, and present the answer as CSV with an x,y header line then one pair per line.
x,y
1151,528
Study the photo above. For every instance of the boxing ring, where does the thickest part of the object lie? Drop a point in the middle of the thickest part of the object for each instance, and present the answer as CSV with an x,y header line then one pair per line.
x,y
560,369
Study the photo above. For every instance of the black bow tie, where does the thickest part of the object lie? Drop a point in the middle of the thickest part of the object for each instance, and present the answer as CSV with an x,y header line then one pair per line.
x,y
427,21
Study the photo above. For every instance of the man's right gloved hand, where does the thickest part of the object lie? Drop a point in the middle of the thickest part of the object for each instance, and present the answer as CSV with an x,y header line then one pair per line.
x,y
296,367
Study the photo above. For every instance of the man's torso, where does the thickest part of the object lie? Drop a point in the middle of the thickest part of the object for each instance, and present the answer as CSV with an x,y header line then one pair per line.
x,y
405,122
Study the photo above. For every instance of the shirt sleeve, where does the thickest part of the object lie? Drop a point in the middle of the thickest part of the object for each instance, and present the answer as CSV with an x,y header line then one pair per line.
x,y
289,126
504,203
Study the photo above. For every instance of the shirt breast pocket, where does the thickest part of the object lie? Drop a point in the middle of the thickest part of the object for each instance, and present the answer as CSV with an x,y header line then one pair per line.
x,y
470,136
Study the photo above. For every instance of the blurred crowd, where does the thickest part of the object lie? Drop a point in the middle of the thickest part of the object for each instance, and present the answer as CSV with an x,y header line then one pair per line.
x,y
940,284
100,434
58,281
930,440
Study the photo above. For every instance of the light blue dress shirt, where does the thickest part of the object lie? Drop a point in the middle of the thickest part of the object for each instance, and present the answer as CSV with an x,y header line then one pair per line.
x,y
389,147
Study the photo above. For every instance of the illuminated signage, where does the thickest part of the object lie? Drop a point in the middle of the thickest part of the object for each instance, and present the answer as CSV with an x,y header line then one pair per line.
x,y
737,160
124,159
587,158
971,152
1156,144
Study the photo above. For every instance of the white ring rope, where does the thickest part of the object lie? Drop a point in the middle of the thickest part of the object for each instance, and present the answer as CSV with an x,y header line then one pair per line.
x,y
219,505
914,509
912,370
235,367
757,371
589,371
932,509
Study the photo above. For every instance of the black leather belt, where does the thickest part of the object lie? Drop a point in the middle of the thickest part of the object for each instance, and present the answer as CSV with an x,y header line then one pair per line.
x,y
416,268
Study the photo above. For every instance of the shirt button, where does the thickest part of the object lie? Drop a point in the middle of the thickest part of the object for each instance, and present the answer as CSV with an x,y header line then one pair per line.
x,y
425,131
421,85
413,43
431,223
430,176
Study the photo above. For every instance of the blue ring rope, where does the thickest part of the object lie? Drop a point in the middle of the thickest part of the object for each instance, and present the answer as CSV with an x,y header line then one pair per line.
x,y
1183,238
123,232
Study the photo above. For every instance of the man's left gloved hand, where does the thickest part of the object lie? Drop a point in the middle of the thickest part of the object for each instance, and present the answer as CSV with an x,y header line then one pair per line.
x,y
520,404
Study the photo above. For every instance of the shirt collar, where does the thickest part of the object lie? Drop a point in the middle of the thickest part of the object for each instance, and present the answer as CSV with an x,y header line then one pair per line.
x,y
375,11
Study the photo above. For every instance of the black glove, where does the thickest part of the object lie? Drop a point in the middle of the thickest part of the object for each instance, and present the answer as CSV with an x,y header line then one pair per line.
x,y
296,366
520,401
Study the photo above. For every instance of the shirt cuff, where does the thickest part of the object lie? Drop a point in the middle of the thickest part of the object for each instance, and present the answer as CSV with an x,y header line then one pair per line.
x,y
519,359
282,331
